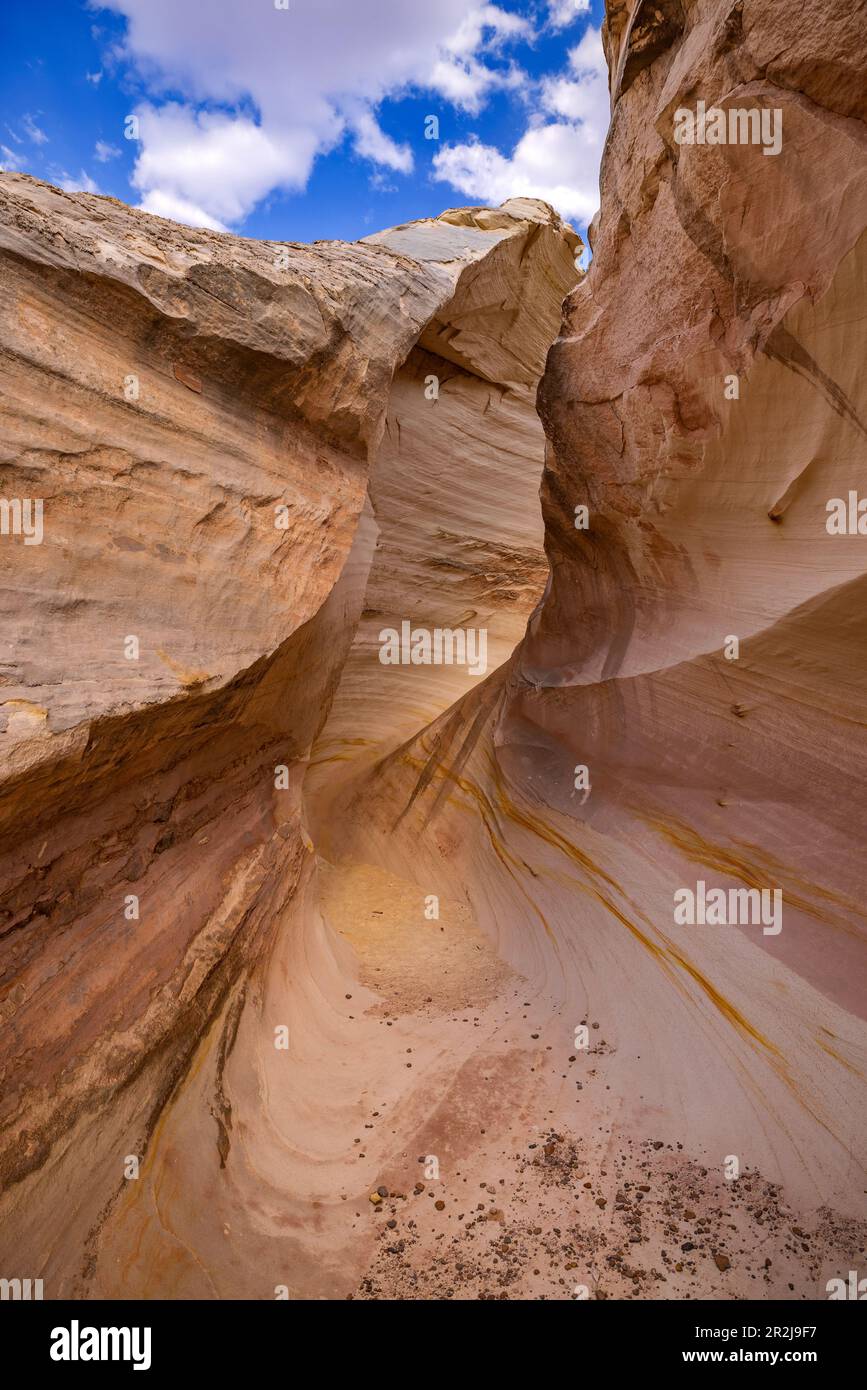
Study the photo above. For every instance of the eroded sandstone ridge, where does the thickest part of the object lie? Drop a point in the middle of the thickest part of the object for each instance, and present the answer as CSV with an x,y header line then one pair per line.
x,y
321,977
219,432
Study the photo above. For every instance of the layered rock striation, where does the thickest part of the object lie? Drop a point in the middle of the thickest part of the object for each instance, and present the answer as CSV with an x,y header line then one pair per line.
x,y
697,662
209,431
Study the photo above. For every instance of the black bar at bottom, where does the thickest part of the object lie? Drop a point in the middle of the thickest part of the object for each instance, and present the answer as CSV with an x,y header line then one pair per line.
x,y
223,1338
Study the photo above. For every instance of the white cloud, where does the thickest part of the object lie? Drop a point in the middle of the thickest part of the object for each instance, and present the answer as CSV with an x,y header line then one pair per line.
x,y
550,162
459,74
94,77
302,78
10,160
104,152
245,100
32,130
380,183
83,184
487,25
565,12
372,143
467,83
463,83
582,93
216,165
557,160
164,204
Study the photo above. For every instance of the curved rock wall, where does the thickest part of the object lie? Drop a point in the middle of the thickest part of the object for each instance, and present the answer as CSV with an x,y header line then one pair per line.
x,y
200,418
458,540
685,705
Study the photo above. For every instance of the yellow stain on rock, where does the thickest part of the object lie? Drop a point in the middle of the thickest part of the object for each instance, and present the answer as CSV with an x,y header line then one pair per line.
x,y
188,678
666,955
754,867
25,709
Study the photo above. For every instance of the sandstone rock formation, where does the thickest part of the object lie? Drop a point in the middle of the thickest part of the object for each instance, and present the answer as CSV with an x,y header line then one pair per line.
x,y
605,1100
705,402
204,420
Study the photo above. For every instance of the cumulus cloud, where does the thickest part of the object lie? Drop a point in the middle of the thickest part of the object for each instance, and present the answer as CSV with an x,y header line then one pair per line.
x,y
163,204
214,167
555,159
562,13
243,98
581,94
460,73
266,91
488,26
550,162
372,143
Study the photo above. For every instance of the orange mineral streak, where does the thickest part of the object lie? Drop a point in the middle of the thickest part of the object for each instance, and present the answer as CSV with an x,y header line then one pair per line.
x,y
758,869
543,830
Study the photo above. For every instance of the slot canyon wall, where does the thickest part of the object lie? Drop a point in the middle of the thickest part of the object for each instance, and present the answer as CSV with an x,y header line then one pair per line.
x,y
297,947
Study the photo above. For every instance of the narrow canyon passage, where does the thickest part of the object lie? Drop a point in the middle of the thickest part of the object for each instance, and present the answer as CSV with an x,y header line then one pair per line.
x,y
333,968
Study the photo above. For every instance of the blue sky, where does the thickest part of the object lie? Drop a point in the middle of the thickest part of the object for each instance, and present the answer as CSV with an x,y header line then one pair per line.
x,y
307,121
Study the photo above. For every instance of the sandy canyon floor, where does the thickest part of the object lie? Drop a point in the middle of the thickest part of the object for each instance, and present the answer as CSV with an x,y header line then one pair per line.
x,y
540,1194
